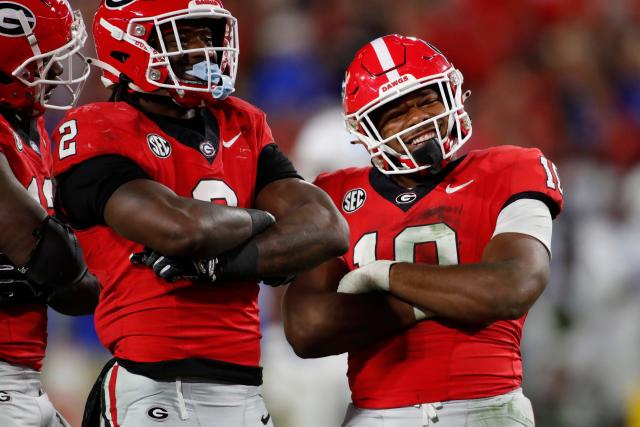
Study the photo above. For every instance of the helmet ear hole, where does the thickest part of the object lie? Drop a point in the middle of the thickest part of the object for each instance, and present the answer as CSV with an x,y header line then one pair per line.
x,y
5,79
120,56
42,42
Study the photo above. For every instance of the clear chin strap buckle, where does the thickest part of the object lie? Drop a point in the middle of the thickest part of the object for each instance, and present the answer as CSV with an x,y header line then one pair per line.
x,y
205,72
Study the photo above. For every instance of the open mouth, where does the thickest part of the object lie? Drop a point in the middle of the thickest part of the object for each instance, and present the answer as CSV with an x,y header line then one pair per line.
x,y
414,143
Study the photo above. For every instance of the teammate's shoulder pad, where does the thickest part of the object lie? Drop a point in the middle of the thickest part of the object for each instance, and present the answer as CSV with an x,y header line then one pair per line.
x,y
340,175
241,106
505,156
116,113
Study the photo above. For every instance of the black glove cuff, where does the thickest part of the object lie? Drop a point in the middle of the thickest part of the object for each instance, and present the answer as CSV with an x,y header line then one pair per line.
x,y
238,264
56,261
260,220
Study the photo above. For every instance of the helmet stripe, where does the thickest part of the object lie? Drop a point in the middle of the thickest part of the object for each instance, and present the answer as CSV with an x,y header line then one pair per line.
x,y
386,61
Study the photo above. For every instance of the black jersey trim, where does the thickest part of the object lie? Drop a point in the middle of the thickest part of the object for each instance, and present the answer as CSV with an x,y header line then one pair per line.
x,y
196,368
193,132
85,189
388,189
554,208
273,165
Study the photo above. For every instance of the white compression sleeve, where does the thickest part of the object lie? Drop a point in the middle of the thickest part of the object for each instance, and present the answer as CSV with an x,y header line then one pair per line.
x,y
526,216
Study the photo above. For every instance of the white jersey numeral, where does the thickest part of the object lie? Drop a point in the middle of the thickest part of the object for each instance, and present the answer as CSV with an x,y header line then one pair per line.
x,y
47,191
553,179
444,237
209,190
68,132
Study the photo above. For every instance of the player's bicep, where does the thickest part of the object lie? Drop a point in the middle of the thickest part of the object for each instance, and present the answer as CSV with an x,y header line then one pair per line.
x,y
143,211
525,261
303,297
287,196
20,215
83,191
322,278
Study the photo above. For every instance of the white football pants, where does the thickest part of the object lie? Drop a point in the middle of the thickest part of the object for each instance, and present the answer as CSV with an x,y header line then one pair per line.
x,y
507,410
22,401
137,401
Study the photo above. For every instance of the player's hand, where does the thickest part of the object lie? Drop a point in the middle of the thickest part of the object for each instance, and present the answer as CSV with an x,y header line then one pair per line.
x,y
15,287
374,277
369,278
172,269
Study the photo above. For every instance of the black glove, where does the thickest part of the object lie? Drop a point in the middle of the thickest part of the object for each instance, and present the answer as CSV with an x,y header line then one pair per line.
x,y
172,269
15,287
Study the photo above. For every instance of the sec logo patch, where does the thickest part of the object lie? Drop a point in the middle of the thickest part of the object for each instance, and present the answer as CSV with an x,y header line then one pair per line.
x,y
158,145
353,200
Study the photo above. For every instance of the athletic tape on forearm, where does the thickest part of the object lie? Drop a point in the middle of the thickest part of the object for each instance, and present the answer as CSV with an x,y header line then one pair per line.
x,y
420,314
238,264
260,220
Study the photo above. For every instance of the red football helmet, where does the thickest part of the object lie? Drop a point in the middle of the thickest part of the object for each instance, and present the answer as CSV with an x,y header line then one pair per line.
x,y
37,38
387,69
130,38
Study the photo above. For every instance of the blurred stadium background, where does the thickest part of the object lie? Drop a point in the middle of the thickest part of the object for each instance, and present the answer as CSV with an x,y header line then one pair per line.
x,y
560,75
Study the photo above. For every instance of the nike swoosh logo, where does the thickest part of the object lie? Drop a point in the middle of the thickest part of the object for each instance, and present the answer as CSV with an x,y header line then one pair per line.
x,y
265,419
229,143
451,190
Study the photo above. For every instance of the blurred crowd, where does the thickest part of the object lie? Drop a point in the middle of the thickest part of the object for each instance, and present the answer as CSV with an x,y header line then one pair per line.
x,y
560,75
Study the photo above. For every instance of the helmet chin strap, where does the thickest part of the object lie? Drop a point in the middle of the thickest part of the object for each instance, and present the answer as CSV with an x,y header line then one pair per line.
x,y
430,154
164,98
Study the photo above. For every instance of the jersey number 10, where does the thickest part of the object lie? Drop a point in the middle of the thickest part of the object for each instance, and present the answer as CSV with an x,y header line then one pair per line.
x,y
404,244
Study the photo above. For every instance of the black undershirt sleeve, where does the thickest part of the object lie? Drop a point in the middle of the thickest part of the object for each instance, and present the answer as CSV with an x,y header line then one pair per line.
x,y
83,191
273,165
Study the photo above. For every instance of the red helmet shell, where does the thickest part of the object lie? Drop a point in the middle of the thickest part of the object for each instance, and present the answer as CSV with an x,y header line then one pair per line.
x,y
373,74
122,30
50,24
387,69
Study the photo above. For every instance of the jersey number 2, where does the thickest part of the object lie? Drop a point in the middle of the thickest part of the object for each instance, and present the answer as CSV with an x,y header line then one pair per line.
x,y
404,244
68,132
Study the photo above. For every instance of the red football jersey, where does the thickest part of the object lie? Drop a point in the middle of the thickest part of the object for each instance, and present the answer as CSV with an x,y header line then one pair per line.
x,y
443,222
140,317
23,329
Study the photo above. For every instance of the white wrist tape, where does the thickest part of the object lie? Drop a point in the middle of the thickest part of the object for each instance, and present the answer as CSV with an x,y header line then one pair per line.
x,y
369,278
421,315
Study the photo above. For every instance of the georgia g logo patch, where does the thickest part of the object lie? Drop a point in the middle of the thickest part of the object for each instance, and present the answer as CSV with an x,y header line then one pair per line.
x,y
159,146
115,4
353,200
11,15
157,413
405,198
4,397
